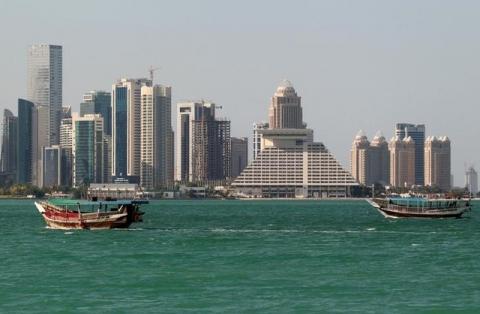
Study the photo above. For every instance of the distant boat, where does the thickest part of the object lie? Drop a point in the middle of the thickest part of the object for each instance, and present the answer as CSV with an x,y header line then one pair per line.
x,y
82,214
417,207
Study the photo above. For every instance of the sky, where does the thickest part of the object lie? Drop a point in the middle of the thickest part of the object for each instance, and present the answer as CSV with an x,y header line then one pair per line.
x,y
356,64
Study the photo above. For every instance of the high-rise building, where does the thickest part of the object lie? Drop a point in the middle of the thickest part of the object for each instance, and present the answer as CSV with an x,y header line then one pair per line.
x,y
98,102
285,110
417,133
471,180
88,149
52,165
257,138
25,141
211,153
379,157
8,163
239,147
402,162
437,162
156,132
187,112
44,86
360,159
66,143
126,127
40,140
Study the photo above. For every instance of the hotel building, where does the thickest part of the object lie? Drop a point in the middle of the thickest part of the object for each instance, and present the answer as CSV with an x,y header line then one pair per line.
x,y
438,162
402,162
290,164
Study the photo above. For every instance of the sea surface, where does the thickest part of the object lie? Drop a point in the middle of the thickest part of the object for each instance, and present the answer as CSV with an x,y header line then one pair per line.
x,y
242,257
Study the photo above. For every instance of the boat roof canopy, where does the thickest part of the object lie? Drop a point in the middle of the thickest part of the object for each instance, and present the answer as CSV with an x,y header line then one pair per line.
x,y
72,202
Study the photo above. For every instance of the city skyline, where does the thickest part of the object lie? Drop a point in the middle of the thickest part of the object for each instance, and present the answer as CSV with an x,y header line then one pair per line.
x,y
416,68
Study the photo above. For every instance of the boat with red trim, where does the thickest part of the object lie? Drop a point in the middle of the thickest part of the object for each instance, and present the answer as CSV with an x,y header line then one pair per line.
x,y
418,207
87,214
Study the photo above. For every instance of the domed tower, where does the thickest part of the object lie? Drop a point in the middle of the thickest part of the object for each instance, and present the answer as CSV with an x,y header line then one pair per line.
x,y
360,158
380,159
285,110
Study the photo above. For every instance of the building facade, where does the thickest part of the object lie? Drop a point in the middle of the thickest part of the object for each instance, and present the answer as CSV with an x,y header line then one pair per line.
x,y
417,133
126,128
360,159
379,156
285,110
8,161
25,141
156,132
98,102
291,165
402,162
66,143
187,112
257,138
52,166
44,86
239,148
87,149
438,162
211,153
471,180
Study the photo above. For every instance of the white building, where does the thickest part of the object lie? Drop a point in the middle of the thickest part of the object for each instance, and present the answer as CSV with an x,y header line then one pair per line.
x,y
257,137
471,180
156,130
291,165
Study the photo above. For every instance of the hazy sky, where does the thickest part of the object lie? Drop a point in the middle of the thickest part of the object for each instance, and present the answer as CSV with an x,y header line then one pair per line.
x,y
356,64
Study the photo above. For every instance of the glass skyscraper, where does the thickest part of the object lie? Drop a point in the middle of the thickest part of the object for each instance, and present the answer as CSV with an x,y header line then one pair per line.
x,y
417,133
44,85
25,141
98,102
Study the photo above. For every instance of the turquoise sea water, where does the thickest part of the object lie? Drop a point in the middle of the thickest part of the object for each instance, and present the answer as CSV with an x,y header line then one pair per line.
x,y
242,256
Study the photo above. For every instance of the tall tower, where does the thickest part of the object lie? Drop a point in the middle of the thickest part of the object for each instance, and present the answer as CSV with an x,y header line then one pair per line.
x,y
126,127
156,130
379,160
360,160
44,85
285,110
187,112
402,162
437,162
87,149
417,133
25,141
9,143
471,180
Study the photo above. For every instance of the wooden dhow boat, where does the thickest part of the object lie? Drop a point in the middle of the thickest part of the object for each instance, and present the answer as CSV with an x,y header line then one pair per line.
x,y
417,207
83,214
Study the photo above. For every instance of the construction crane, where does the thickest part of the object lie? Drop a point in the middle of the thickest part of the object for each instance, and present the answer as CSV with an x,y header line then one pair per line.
x,y
152,70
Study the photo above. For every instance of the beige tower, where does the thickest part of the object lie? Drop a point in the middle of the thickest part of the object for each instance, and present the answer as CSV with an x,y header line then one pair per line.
x,y
402,162
285,110
379,157
359,161
156,128
437,162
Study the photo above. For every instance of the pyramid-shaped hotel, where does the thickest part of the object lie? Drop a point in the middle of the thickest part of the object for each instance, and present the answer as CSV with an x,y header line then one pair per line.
x,y
289,164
